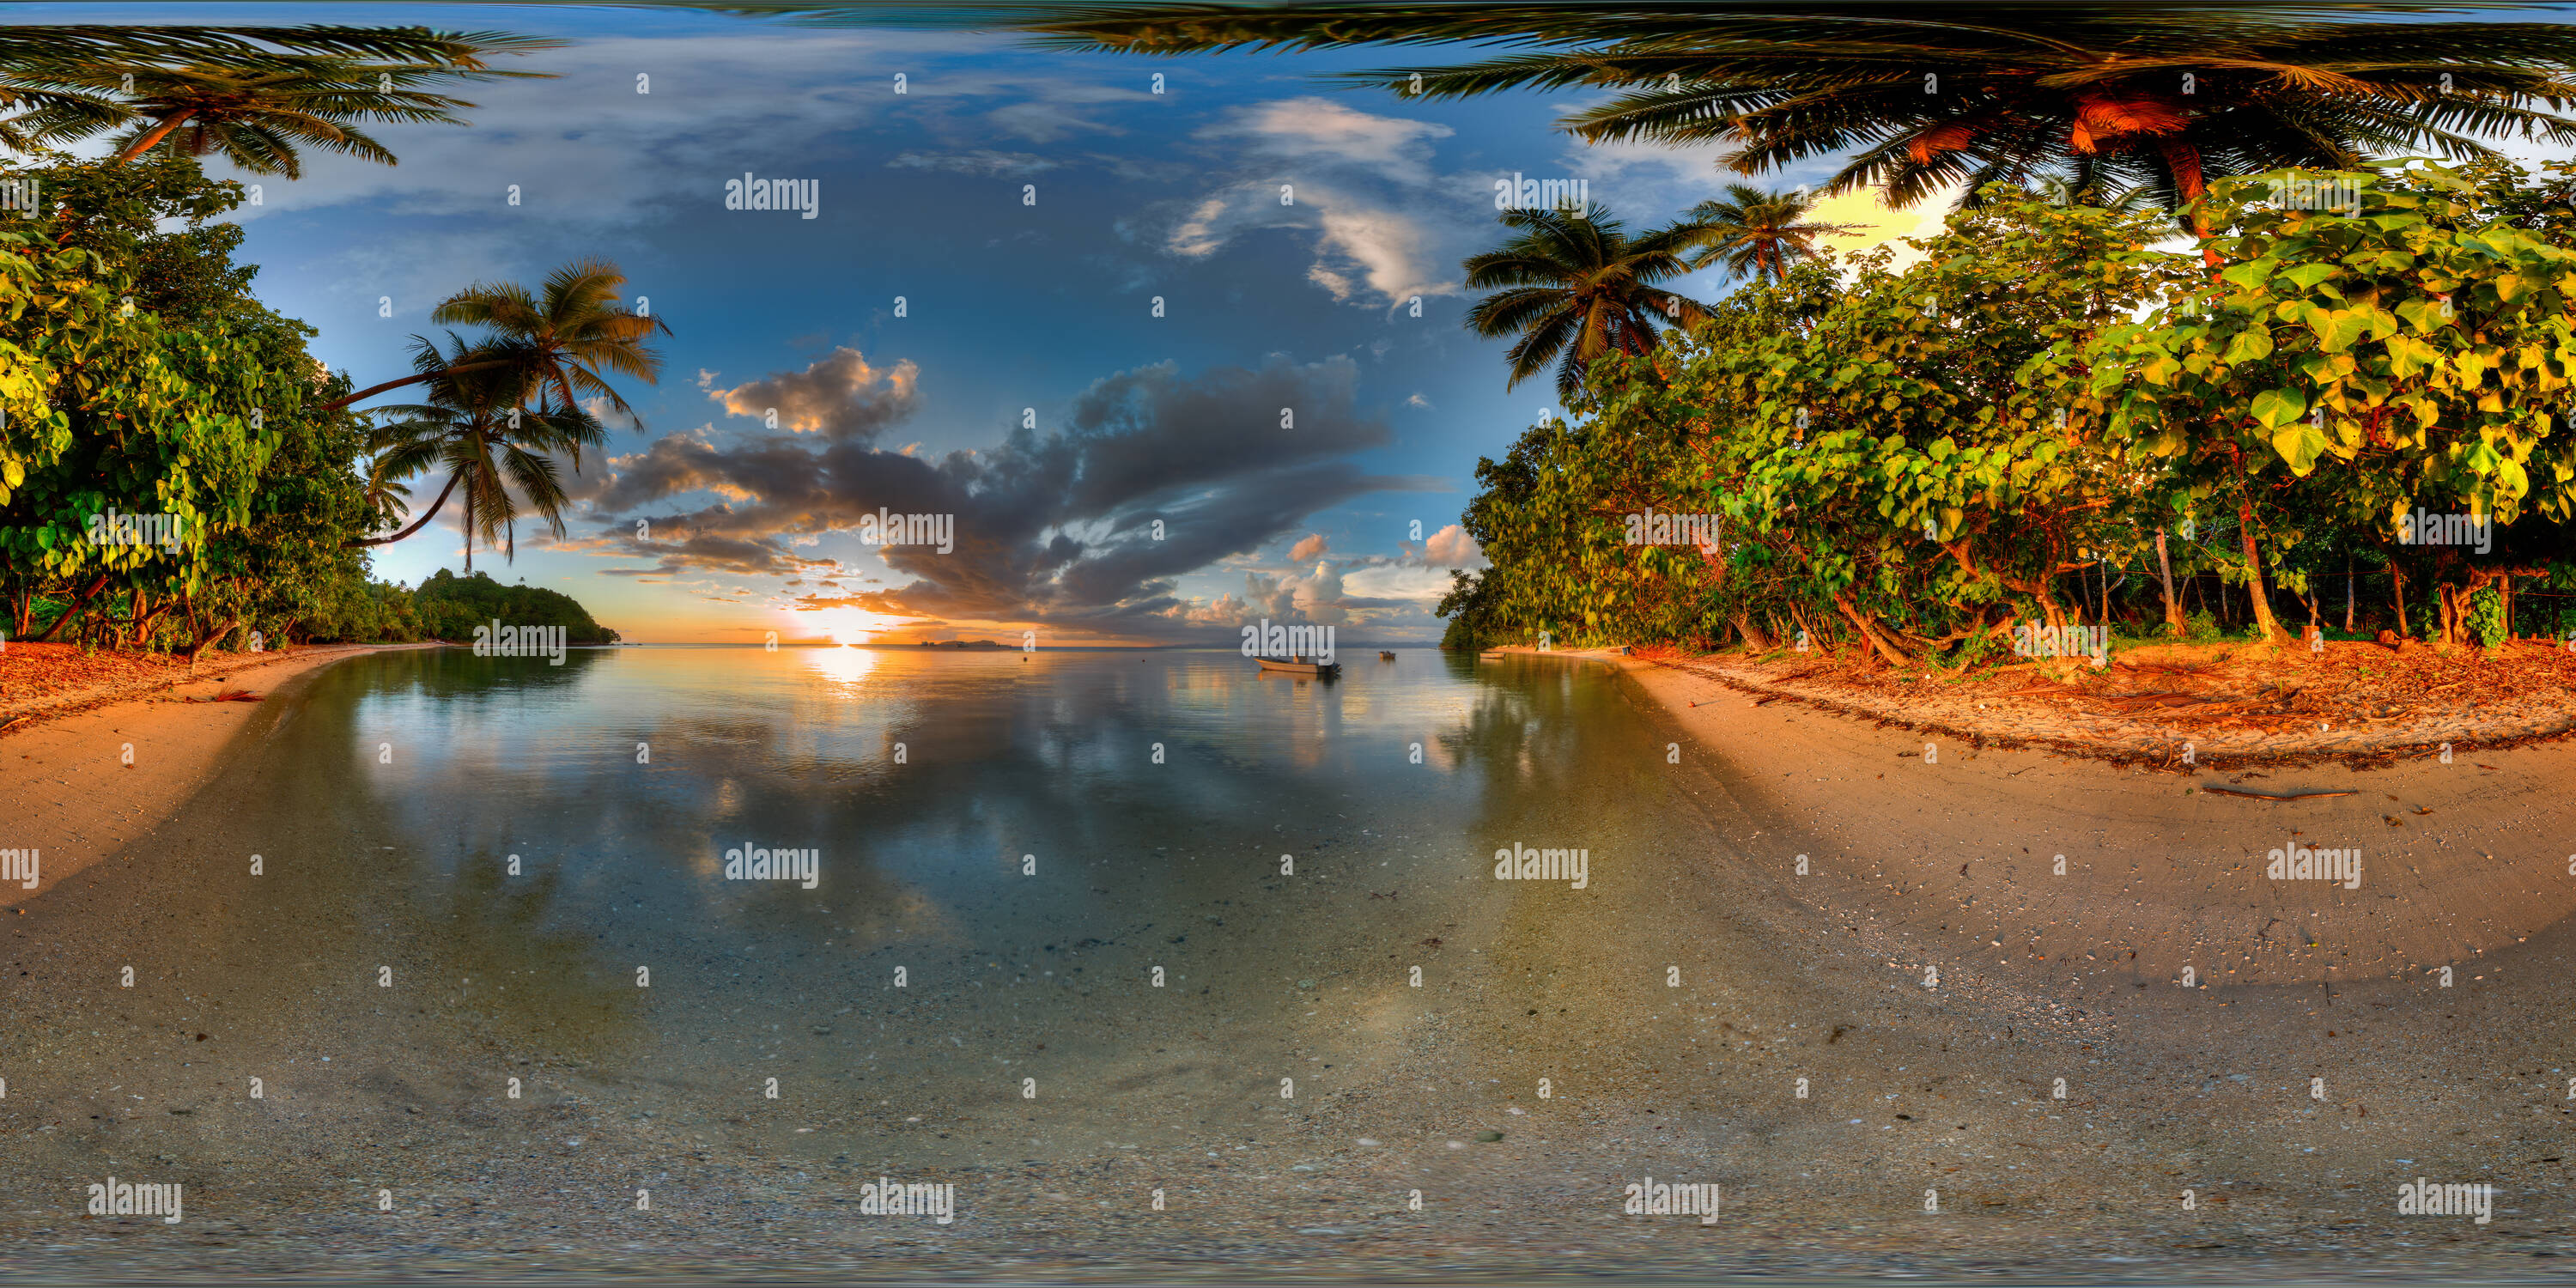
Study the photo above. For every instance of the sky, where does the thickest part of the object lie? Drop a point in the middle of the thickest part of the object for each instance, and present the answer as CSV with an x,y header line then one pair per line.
x,y
1175,343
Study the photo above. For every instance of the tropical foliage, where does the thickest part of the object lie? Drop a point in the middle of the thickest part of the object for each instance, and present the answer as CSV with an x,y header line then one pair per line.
x,y
2046,412
2161,99
1574,286
139,377
1751,232
450,607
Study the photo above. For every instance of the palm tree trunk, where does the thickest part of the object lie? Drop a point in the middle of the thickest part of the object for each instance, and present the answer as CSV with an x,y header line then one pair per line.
x,y
372,390
426,516
148,141
2183,160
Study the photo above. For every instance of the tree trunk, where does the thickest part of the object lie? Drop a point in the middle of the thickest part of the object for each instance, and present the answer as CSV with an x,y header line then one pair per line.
x,y
416,524
2264,623
74,610
1752,634
210,638
1860,622
2174,624
2397,587
372,390
154,137
2347,594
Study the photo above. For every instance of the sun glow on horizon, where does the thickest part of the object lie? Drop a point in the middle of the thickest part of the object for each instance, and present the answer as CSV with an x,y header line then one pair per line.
x,y
851,627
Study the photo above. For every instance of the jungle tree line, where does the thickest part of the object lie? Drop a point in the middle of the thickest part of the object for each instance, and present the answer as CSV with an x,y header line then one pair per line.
x,y
140,375
2047,421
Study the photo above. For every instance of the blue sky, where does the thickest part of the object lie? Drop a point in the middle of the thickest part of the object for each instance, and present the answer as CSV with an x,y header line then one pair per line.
x,y
1010,308
1028,390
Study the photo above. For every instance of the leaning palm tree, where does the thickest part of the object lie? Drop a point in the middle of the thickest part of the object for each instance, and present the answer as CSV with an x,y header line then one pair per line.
x,y
474,429
48,75
1922,97
562,340
1749,231
261,115
254,94
1574,286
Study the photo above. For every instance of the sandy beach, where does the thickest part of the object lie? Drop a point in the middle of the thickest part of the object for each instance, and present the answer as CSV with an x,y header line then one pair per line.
x,y
1928,1051
88,771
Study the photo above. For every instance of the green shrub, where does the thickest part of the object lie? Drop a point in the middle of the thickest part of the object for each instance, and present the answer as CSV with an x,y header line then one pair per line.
x,y
2486,617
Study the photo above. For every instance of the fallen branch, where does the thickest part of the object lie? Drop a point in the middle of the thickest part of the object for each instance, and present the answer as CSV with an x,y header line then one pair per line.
x,y
2267,796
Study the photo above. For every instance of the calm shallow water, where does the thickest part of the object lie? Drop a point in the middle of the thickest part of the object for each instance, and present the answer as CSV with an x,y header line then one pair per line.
x,y
1003,867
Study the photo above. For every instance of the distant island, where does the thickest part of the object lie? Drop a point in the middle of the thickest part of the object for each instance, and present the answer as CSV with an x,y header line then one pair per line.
x,y
449,607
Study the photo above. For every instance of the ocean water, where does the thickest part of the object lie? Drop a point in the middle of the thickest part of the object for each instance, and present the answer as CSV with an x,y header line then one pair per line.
x,y
1154,900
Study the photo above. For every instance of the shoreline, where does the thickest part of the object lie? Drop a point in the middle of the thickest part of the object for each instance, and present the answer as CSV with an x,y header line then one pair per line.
x,y
2017,720
86,772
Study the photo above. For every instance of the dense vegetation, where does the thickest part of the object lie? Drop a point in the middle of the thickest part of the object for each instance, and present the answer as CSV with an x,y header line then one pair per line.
x,y
450,607
2049,422
140,376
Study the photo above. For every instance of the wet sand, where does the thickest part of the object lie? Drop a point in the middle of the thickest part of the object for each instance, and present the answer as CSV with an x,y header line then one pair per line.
x,y
84,774
1671,1009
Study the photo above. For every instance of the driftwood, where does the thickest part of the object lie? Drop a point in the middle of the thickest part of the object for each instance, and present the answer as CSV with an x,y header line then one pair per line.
x,y
2267,796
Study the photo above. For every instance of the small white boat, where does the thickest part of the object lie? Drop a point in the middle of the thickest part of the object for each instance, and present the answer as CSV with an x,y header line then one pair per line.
x,y
1299,666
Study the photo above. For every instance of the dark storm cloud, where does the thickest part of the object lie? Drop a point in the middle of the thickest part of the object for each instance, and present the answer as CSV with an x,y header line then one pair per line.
x,y
1054,525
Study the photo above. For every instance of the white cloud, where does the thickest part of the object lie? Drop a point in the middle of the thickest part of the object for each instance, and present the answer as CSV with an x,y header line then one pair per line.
x,y
1451,547
1398,581
1336,135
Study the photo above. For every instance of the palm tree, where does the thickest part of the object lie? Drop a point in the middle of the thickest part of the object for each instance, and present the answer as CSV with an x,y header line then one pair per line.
x,y
1575,286
562,340
1750,231
1925,96
250,92
475,430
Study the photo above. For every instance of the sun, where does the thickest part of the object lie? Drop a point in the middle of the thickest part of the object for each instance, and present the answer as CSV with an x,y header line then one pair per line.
x,y
851,627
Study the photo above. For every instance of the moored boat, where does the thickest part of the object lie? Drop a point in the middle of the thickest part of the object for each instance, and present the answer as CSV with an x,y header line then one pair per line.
x,y
1384,655
1299,666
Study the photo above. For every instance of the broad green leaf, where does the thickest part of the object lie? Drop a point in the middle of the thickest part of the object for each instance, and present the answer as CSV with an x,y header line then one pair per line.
x,y
2299,444
2253,344
2274,408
